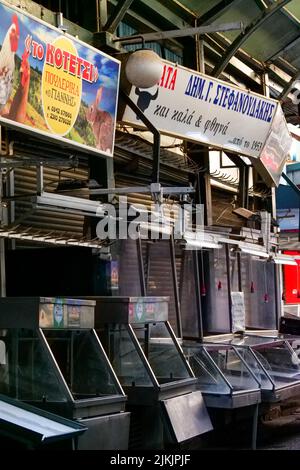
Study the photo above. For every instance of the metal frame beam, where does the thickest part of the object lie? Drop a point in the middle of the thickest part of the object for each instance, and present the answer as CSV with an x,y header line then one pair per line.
x,y
284,49
117,15
289,86
176,33
249,30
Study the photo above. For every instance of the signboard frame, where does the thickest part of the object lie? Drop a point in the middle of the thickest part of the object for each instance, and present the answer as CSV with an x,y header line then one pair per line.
x,y
196,107
82,68
203,92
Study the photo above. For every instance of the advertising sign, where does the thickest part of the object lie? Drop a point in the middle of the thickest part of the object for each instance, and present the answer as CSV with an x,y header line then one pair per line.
x,y
276,150
200,108
288,219
55,85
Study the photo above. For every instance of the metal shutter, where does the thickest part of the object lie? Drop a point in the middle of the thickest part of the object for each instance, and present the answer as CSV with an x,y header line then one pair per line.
x,y
159,280
129,275
188,298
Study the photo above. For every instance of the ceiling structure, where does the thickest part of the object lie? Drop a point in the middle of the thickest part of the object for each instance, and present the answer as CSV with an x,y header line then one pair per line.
x,y
269,42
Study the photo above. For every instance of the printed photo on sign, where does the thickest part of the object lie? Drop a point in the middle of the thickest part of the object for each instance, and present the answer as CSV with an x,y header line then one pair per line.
x,y
55,85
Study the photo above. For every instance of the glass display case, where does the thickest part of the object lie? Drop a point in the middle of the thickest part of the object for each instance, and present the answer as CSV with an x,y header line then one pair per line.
x,y
52,358
224,377
272,360
152,369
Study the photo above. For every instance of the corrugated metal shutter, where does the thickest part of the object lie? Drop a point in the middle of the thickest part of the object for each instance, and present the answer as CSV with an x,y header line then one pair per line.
x,y
129,275
25,183
215,303
159,280
260,310
158,271
188,299
23,146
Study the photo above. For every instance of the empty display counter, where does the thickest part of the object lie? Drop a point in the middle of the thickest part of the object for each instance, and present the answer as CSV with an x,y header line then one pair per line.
x,y
272,361
51,357
152,369
225,379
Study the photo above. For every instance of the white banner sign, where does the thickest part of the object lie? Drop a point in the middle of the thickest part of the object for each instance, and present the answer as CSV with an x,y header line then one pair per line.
x,y
200,108
237,311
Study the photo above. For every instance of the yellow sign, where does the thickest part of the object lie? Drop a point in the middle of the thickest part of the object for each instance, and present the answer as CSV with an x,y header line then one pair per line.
x,y
61,86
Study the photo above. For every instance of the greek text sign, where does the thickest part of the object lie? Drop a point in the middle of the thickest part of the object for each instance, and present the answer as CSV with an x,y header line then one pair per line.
x,y
55,85
200,108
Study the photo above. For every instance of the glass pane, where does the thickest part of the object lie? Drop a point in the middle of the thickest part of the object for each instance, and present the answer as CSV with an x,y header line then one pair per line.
x,y
278,361
233,368
256,369
209,378
125,359
253,340
27,372
82,363
165,360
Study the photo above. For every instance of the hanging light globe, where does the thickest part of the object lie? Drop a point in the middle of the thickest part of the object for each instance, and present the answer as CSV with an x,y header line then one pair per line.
x,y
144,68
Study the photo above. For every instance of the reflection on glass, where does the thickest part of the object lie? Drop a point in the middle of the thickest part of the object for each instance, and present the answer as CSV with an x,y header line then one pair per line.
x,y
278,361
82,363
125,359
233,368
253,340
165,360
27,373
209,378
251,360
273,354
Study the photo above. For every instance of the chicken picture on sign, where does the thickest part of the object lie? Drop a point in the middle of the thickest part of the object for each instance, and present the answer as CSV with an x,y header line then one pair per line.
x,y
55,85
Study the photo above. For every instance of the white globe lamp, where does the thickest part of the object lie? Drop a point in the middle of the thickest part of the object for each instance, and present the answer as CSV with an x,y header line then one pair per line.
x,y
144,68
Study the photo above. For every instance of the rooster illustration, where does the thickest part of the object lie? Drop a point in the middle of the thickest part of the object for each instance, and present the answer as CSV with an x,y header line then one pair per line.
x,y
18,106
7,60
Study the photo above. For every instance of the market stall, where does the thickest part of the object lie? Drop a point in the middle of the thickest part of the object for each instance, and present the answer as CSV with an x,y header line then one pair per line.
x,y
52,358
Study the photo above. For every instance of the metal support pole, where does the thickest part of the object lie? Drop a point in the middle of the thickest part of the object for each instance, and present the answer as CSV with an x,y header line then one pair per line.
x,y
155,132
110,177
254,427
40,179
2,268
117,15
239,266
229,285
2,247
278,289
141,267
101,11
198,294
201,55
175,286
243,186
